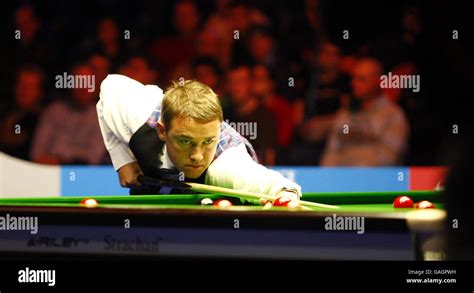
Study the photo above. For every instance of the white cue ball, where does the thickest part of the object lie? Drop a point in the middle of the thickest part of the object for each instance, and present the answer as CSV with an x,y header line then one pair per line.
x,y
206,202
90,203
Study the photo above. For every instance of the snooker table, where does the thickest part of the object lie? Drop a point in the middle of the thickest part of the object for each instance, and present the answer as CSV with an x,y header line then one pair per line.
x,y
178,226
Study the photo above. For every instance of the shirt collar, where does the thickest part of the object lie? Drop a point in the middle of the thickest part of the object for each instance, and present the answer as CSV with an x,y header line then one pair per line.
x,y
165,159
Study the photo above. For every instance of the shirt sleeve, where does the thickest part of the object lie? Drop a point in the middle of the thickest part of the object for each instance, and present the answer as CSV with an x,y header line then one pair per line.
x,y
120,153
124,106
235,169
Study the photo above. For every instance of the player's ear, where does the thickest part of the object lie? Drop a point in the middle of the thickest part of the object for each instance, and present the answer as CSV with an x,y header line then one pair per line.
x,y
160,130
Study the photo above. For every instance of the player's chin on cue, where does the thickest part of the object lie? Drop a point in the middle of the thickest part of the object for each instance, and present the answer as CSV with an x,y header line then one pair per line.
x,y
193,171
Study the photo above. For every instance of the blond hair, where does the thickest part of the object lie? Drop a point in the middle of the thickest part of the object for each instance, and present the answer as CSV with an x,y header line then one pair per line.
x,y
190,99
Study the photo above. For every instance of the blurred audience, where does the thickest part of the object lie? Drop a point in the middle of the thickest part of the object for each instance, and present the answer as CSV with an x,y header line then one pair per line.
x,y
208,71
107,42
25,45
295,84
306,29
328,87
408,44
219,28
261,46
101,67
242,18
30,47
180,46
207,47
68,130
373,131
139,68
263,87
315,115
249,115
19,123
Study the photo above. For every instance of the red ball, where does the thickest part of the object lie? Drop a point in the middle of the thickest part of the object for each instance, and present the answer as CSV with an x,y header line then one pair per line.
x,y
89,203
223,203
403,201
424,204
281,201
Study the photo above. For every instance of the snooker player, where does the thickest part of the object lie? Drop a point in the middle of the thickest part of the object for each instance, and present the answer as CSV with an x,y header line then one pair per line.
x,y
148,132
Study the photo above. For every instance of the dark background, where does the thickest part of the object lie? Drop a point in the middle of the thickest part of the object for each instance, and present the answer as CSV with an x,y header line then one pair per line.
x,y
445,65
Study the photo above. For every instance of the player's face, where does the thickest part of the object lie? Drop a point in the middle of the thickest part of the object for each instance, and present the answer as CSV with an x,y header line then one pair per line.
x,y
191,144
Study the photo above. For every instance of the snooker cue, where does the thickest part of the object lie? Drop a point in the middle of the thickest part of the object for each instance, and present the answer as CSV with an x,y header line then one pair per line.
x,y
247,194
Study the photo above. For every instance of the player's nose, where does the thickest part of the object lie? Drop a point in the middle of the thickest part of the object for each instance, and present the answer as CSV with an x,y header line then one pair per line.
x,y
196,155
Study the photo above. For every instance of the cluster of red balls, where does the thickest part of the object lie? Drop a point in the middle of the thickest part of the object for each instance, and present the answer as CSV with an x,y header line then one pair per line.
x,y
281,201
404,201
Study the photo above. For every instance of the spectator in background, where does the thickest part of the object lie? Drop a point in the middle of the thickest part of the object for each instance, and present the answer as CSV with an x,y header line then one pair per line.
x,y
25,45
240,25
139,68
242,19
401,54
298,38
306,30
247,111
107,43
228,27
29,47
408,45
108,36
169,52
374,130
68,131
303,30
207,47
263,50
315,115
263,88
19,123
328,87
261,46
207,43
208,71
218,27
101,66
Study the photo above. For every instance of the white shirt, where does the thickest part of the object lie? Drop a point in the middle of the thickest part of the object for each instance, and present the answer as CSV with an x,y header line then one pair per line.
x,y
125,105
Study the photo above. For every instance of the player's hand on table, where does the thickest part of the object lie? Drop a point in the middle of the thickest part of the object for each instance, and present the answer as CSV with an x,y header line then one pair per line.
x,y
292,196
128,174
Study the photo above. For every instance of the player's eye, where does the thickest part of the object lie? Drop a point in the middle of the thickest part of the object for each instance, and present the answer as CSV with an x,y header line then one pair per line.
x,y
185,141
209,141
